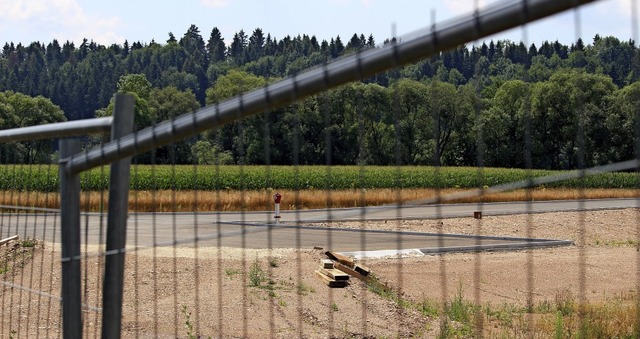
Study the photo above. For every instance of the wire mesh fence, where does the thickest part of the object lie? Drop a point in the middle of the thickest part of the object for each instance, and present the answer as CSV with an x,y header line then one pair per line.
x,y
209,255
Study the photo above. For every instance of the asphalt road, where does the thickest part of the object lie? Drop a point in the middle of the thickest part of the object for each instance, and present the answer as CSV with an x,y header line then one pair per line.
x,y
432,211
255,229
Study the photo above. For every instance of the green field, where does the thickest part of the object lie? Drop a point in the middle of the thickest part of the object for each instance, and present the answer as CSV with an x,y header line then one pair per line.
x,y
145,177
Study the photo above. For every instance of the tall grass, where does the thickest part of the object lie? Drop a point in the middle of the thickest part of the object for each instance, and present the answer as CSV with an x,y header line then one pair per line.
x,y
262,200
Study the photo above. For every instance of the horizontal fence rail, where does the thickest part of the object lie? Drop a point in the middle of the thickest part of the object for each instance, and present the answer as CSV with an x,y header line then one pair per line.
x,y
57,130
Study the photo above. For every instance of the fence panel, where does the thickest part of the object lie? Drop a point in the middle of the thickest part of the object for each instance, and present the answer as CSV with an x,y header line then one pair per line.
x,y
212,252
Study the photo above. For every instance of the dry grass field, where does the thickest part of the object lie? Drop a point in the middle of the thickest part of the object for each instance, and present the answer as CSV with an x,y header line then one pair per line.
x,y
232,200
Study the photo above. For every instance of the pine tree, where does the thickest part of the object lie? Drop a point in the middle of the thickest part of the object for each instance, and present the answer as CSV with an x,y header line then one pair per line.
x,y
237,48
215,46
172,38
255,48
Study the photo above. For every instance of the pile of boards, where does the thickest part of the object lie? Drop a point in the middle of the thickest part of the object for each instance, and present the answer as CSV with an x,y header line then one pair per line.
x,y
337,269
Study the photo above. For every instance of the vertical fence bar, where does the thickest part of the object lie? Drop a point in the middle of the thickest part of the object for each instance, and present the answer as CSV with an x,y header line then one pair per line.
x,y
70,238
117,222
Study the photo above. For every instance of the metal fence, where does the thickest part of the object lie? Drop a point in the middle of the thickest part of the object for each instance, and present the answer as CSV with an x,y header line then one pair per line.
x,y
214,274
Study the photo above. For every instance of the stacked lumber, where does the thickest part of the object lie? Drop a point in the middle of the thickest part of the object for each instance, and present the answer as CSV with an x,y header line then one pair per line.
x,y
341,263
330,275
347,265
337,270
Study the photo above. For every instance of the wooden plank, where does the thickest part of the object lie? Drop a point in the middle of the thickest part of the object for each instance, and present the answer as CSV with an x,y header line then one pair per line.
x,y
326,263
330,282
335,274
352,272
367,279
343,259
6,240
361,269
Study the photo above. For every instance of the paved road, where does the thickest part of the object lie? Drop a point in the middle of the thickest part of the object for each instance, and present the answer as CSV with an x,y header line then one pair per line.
x,y
434,211
251,230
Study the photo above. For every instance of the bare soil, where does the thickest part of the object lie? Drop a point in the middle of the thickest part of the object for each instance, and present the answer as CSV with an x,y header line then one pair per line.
x,y
182,292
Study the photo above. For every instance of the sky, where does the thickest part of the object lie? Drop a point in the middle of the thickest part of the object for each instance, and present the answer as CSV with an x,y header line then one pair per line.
x,y
114,21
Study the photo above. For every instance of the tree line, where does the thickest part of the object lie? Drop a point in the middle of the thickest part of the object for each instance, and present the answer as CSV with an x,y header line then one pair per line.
x,y
500,104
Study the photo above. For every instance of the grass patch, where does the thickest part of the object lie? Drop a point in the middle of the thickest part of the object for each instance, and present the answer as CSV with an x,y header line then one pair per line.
x,y
505,314
273,262
256,274
187,323
563,317
612,318
191,334
428,308
377,287
28,243
459,316
230,272
617,243
304,289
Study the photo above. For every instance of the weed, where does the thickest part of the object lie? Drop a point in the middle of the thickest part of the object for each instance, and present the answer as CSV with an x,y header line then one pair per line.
x,y
565,303
28,243
459,309
375,286
459,314
334,307
304,289
268,287
187,323
273,262
559,328
544,307
345,327
505,314
428,308
230,272
282,303
453,329
256,274
618,243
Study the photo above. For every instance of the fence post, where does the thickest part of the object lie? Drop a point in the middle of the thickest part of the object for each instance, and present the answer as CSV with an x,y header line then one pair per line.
x,y
70,239
117,222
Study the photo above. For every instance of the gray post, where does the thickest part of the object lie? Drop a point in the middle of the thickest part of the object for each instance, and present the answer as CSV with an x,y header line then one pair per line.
x,y
117,222
70,238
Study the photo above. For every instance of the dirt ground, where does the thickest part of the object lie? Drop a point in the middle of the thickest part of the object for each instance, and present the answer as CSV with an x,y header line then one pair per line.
x,y
209,292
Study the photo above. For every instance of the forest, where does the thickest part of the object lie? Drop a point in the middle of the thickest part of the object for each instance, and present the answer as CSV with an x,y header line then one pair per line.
x,y
496,104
